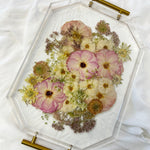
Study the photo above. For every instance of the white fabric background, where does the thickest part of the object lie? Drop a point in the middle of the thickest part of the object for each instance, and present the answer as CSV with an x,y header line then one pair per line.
x,y
19,21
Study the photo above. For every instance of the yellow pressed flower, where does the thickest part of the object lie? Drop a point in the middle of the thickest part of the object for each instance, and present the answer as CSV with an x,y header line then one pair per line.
x,y
87,44
33,80
105,44
29,94
124,52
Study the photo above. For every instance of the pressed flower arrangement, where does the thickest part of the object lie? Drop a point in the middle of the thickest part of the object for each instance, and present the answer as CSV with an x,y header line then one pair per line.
x,y
78,80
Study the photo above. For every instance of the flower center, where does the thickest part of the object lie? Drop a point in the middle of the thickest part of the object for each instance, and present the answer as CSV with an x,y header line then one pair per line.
x,y
32,81
49,93
95,106
82,65
105,85
99,95
87,46
70,88
106,65
73,76
89,86
62,71
105,47
67,102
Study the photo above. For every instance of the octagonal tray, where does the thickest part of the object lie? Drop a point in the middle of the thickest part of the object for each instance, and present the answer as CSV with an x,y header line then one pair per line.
x,y
108,123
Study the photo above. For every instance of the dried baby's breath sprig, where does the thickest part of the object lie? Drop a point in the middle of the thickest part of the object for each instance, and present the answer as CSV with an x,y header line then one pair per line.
x,y
80,126
54,44
115,39
79,98
58,126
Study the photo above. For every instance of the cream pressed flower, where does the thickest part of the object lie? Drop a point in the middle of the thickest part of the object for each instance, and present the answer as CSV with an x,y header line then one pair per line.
x,y
68,106
67,50
69,88
88,44
105,85
73,76
90,86
105,44
59,70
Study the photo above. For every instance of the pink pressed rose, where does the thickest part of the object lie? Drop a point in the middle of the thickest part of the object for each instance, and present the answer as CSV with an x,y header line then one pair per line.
x,y
109,64
50,96
76,28
84,62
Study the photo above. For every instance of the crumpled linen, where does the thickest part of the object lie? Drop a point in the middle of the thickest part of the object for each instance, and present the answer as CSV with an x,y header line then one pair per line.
x,y
19,22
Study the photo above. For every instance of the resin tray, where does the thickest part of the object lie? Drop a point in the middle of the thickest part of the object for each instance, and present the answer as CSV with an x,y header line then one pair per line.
x,y
108,123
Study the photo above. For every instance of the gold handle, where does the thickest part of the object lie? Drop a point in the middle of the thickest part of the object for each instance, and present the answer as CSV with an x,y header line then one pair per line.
x,y
120,10
33,144
36,146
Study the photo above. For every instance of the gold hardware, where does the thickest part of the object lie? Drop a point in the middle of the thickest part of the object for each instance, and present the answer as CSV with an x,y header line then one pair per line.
x,y
120,10
33,144
70,147
118,17
90,4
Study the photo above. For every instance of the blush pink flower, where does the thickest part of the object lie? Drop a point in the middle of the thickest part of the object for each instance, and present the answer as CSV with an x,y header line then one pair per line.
x,y
107,99
84,62
50,96
76,28
109,64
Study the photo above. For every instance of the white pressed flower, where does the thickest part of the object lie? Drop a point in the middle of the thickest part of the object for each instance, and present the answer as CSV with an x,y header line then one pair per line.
x,y
69,88
59,70
67,106
90,86
105,85
87,44
105,44
67,50
73,76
